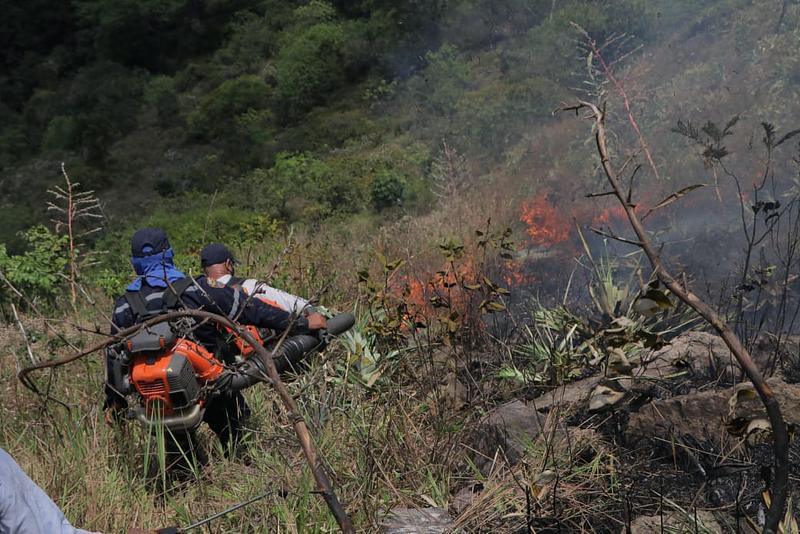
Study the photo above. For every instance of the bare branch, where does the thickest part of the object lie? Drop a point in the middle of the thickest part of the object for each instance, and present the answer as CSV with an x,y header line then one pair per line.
x,y
24,335
604,194
672,197
781,441
615,237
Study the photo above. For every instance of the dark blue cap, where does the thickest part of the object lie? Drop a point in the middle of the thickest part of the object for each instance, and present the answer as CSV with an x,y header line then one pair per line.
x,y
148,241
215,253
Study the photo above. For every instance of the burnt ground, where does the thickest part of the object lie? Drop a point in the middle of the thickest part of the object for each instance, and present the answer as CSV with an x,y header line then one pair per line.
x,y
653,476
689,471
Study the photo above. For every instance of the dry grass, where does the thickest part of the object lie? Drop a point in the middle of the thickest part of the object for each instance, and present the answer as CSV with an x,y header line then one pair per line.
x,y
385,446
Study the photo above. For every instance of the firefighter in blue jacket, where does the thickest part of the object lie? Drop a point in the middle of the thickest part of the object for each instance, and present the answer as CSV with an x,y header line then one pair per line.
x,y
160,287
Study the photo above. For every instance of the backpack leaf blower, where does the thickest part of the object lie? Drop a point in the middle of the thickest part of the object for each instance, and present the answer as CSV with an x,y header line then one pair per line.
x,y
172,377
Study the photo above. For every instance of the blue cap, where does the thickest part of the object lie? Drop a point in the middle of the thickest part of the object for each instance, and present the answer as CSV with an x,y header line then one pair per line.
x,y
148,241
215,253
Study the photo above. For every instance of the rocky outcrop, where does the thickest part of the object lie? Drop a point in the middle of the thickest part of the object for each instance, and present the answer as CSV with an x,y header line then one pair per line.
x,y
512,428
417,521
568,398
507,429
701,354
710,413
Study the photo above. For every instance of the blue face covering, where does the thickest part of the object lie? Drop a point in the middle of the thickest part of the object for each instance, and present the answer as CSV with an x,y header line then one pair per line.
x,y
155,270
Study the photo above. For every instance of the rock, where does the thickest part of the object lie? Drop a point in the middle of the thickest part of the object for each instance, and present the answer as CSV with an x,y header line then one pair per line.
x,y
507,428
700,353
464,498
784,353
511,428
603,398
703,521
706,413
569,398
417,521
449,396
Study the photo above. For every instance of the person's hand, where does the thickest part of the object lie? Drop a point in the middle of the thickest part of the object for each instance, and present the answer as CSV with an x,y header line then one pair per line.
x,y
141,531
316,321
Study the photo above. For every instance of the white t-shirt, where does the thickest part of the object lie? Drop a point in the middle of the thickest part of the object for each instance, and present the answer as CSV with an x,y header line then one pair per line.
x,y
260,290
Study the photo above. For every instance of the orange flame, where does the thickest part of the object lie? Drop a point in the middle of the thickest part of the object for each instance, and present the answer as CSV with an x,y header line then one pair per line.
x,y
610,215
445,286
546,226
514,276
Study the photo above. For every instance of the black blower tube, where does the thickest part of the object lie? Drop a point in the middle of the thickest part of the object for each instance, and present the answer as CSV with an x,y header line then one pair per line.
x,y
341,323
292,351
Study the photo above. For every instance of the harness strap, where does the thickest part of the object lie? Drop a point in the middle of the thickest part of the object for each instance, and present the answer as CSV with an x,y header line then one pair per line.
x,y
170,299
235,282
137,303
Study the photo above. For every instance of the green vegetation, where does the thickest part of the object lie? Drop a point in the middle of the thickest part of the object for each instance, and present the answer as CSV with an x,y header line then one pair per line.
x,y
157,100
361,147
38,272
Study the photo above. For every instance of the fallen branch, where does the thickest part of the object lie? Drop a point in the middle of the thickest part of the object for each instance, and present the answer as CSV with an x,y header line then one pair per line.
x,y
781,438
301,430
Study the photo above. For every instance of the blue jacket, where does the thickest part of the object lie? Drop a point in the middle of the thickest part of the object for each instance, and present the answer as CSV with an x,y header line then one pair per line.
x,y
214,297
24,507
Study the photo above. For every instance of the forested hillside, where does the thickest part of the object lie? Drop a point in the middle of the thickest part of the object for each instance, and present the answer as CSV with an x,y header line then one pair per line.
x,y
295,111
379,154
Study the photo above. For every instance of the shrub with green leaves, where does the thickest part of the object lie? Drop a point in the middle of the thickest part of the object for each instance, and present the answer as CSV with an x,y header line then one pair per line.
x,y
97,108
61,133
441,84
251,40
474,23
495,115
302,187
160,94
387,190
309,67
39,272
220,110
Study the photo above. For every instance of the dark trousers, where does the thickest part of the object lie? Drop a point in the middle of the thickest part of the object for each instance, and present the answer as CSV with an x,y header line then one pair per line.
x,y
225,415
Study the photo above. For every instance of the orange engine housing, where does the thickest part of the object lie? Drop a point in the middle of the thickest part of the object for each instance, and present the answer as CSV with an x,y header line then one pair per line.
x,y
244,348
171,380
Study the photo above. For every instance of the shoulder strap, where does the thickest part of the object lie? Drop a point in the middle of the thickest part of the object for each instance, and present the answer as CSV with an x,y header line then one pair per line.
x,y
137,303
173,294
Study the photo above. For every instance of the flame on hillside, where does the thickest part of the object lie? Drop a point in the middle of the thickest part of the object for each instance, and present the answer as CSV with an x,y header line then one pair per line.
x,y
546,225
444,288
514,274
610,216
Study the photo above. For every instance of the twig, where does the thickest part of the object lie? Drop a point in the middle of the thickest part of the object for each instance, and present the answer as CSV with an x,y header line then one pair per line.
x,y
24,335
606,69
615,237
208,215
33,307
